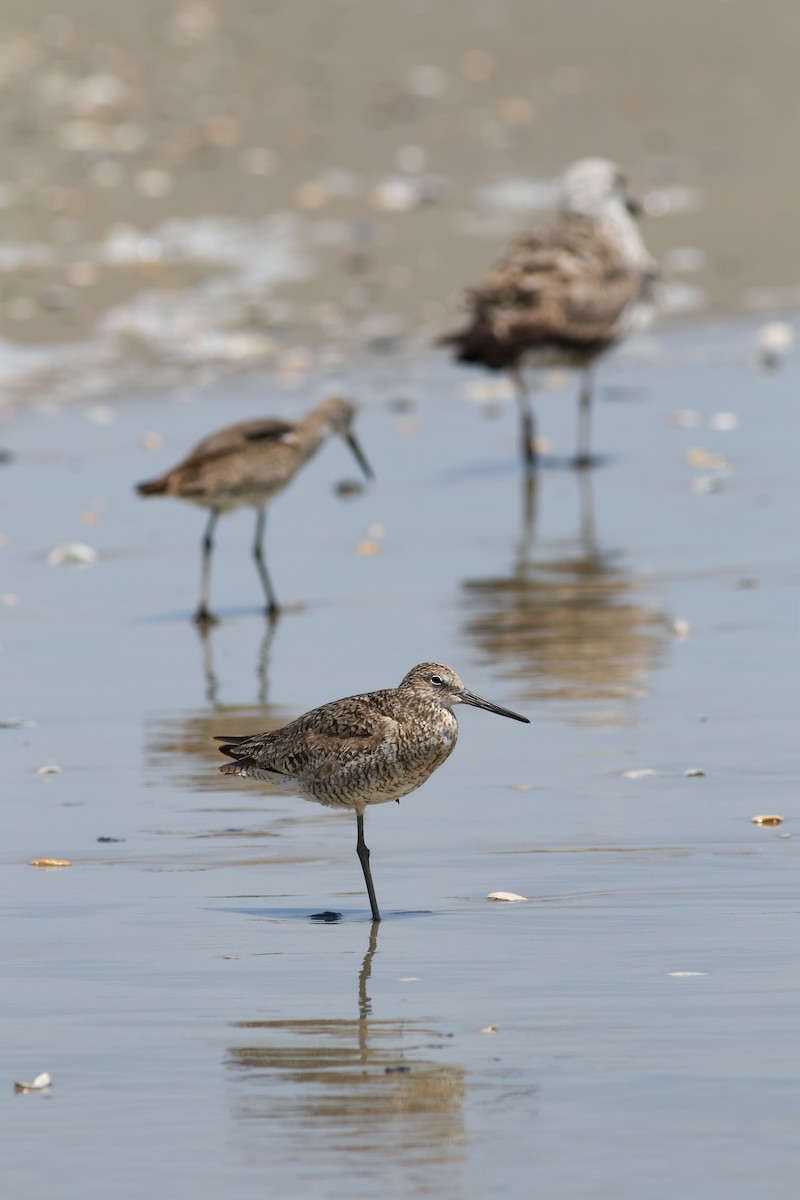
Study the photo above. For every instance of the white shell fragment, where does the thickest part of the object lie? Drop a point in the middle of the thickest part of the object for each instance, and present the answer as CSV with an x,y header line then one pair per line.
x,y
38,1085
691,772
681,627
639,773
685,974
767,819
508,897
49,769
72,554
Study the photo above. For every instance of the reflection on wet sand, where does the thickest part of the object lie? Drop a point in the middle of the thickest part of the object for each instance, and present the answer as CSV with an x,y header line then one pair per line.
x,y
181,746
574,625
356,1087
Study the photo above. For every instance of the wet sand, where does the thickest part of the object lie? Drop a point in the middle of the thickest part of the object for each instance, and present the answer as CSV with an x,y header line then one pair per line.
x,y
172,983
218,214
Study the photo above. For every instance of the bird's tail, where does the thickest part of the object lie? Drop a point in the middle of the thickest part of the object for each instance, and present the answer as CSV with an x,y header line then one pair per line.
x,y
153,487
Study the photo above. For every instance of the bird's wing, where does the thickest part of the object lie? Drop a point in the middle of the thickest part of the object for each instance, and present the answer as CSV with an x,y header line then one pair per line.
x,y
564,284
234,438
310,749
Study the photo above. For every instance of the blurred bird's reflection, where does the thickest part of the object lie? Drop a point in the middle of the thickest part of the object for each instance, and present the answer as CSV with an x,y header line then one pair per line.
x,y
206,634
180,746
354,1087
573,625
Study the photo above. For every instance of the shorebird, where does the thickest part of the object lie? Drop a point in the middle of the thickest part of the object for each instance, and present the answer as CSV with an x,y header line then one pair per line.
x,y
246,465
564,294
362,750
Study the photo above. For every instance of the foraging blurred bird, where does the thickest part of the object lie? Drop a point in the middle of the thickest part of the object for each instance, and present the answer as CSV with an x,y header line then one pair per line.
x,y
564,294
246,465
362,750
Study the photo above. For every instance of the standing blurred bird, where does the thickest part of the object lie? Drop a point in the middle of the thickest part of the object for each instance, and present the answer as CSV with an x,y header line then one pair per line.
x,y
362,750
246,465
564,294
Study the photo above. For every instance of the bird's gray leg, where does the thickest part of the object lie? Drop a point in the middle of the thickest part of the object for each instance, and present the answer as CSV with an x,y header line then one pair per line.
x,y
204,615
528,421
258,554
583,458
363,856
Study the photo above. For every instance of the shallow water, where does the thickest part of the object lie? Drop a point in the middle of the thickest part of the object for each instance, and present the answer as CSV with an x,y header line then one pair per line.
x,y
201,1031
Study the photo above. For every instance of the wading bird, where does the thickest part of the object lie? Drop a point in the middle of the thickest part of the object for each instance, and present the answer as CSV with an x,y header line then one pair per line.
x,y
362,750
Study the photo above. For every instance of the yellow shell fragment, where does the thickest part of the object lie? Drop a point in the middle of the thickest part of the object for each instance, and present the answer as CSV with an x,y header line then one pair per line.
x,y
368,549
766,820
49,862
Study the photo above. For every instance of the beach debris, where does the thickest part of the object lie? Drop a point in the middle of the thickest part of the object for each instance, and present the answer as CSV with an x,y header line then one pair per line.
x,y
39,1084
706,460
490,1029
49,863
774,340
639,773
506,897
692,772
72,554
681,627
685,974
767,819
49,769
17,723
704,484
724,422
151,440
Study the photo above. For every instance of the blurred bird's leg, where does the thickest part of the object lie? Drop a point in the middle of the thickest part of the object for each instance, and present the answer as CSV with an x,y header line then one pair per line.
x,y
273,607
363,857
204,615
583,458
528,421
530,482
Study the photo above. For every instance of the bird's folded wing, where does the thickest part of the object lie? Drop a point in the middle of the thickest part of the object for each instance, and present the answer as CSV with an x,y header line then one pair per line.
x,y
565,283
318,744
236,437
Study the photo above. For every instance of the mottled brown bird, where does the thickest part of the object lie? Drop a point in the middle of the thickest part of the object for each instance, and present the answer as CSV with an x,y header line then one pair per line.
x,y
564,294
246,465
362,750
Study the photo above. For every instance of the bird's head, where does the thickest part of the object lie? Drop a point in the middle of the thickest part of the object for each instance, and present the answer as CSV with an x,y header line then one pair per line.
x,y
593,185
441,685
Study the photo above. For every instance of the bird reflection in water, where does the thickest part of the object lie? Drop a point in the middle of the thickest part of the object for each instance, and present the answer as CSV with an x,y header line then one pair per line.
x,y
205,632
179,741
340,1087
573,625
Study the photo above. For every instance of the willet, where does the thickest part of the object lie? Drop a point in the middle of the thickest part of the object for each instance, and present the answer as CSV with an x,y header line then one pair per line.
x,y
362,750
564,294
246,465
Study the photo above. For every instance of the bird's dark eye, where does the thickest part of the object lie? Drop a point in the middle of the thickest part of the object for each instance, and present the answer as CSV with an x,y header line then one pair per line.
x,y
437,680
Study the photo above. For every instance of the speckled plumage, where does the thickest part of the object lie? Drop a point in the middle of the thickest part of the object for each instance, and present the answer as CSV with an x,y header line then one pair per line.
x,y
562,295
246,465
362,750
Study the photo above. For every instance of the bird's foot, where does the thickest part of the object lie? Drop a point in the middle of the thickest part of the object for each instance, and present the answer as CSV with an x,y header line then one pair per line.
x,y
204,617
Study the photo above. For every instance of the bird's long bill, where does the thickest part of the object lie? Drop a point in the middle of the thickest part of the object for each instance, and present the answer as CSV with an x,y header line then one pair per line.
x,y
359,455
479,702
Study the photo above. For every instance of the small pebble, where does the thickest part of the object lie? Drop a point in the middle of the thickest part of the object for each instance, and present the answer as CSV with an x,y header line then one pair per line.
x,y
725,422
348,488
508,897
766,820
368,549
151,441
490,1029
690,772
681,627
639,773
49,769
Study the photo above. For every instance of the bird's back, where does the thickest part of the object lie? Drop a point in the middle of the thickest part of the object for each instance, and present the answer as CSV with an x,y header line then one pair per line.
x,y
566,286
